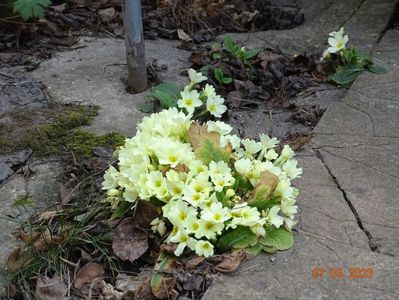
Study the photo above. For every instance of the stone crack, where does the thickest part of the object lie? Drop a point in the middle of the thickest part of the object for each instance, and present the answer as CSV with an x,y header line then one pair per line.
x,y
372,243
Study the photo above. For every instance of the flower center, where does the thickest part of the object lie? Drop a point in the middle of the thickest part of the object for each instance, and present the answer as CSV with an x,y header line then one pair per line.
x,y
212,107
340,45
189,101
182,215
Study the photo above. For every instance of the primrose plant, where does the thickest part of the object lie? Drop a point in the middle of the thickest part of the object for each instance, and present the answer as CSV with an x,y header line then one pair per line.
x,y
351,61
195,102
229,49
214,191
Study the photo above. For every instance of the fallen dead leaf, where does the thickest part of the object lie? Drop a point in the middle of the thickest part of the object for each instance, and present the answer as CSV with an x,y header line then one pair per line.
x,y
199,135
129,242
266,185
89,273
230,262
194,262
183,36
50,288
17,259
145,213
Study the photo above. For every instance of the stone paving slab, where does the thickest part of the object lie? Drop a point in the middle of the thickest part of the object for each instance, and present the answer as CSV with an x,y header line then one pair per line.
x,y
289,274
94,73
364,20
43,191
363,158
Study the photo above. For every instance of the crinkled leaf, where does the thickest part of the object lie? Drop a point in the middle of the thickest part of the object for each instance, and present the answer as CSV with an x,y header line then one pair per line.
x,y
240,237
219,76
216,55
263,190
255,249
161,283
206,144
165,99
280,238
230,262
269,249
345,76
129,242
89,273
166,93
229,43
250,53
31,8
146,107
51,288
377,69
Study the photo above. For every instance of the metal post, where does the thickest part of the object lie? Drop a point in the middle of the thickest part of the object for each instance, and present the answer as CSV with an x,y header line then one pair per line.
x,y
133,23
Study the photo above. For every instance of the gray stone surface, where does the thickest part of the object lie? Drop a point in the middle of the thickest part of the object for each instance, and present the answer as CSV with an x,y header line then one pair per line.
x,y
19,91
94,73
349,203
359,141
289,274
42,189
364,20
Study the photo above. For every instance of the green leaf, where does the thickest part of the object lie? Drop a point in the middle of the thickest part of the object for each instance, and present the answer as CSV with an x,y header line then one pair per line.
x,y
121,210
216,55
268,249
169,88
345,76
164,265
262,203
31,8
254,250
377,69
280,238
165,99
166,93
241,237
229,43
250,53
146,106
208,152
221,77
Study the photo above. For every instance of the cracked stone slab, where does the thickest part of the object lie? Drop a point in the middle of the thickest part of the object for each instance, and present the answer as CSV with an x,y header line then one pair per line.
x,y
324,212
364,20
359,141
370,181
93,75
288,275
43,191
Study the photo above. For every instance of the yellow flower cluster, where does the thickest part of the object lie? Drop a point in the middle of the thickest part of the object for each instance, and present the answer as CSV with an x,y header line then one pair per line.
x,y
202,200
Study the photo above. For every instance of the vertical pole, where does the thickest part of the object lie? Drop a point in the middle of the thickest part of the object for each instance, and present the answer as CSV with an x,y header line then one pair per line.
x,y
134,39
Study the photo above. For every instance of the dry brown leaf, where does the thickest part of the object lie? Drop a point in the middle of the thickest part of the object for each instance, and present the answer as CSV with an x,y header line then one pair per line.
x,y
166,289
47,215
194,262
89,273
65,194
183,36
129,242
145,213
267,184
17,259
50,288
47,239
230,262
197,134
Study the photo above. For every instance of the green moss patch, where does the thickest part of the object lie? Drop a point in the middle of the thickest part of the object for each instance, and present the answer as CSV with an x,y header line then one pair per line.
x,y
55,130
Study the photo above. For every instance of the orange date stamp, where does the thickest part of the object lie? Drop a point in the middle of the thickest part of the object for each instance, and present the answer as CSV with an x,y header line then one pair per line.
x,y
339,273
